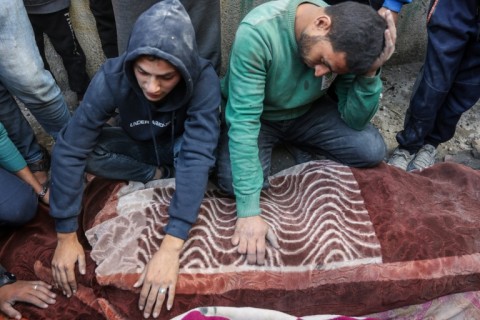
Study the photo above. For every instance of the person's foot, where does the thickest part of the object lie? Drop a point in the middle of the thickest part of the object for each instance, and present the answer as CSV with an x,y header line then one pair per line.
x,y
400,158
424,158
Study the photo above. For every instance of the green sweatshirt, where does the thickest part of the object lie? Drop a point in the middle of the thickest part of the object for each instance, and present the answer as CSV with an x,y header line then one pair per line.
x,y
268,79
10,158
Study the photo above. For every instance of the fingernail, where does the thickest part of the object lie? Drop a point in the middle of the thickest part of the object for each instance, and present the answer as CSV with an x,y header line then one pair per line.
x,y
146,315
74,291
155,315
140,307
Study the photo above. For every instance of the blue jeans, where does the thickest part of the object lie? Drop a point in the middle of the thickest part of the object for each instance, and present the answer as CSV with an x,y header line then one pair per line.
x,y
320,131
22,75
119,157
18,201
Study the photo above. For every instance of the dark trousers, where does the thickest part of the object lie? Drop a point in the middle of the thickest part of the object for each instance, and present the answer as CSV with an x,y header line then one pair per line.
x,y
449,81
18,201
102,10
58,28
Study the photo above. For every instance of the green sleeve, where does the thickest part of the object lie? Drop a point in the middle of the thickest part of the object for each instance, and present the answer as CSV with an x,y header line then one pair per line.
x,y
10,157
358,98
246,86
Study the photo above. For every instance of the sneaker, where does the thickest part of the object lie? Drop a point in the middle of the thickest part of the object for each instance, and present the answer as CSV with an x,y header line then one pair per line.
x,y
400,158
424,158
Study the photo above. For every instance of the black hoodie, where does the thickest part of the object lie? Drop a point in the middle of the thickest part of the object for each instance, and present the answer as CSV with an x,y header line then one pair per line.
x,y
191,109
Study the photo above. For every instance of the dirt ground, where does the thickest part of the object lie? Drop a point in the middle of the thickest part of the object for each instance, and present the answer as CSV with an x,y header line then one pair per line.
x,y
463,148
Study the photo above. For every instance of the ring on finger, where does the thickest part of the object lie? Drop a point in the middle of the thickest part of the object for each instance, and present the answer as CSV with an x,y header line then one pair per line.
x,y
162,290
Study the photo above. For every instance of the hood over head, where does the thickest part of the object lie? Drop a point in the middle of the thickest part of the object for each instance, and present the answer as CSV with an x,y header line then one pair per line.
x,y
165,31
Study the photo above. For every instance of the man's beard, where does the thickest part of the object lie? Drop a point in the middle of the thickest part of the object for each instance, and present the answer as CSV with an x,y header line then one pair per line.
x,y
306,42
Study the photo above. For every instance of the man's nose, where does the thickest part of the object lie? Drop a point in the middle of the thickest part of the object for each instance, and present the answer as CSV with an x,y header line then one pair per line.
x,y
153,85
321,70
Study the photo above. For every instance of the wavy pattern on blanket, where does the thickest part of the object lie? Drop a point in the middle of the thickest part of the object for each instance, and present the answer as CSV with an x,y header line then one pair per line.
x,y
316,211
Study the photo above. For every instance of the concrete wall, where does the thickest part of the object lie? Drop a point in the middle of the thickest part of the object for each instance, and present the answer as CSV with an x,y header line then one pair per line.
x,y
410,43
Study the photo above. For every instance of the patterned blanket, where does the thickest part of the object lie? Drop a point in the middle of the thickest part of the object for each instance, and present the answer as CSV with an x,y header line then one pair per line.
x,y
354,242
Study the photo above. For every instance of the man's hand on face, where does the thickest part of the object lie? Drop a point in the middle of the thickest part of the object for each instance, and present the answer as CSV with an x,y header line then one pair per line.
x,y
68,252
35,292
249,236
389,48
159,278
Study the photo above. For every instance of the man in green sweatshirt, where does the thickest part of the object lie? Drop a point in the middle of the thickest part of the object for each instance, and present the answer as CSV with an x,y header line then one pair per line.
x,y
285,56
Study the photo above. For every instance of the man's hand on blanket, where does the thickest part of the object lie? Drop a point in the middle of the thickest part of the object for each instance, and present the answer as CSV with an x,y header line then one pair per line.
x,y
35,292
159,278
68,252
249,236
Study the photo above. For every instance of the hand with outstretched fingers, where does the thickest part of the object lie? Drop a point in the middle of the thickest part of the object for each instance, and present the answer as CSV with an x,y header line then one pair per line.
x,y
249,237
34,292
68,252
159,279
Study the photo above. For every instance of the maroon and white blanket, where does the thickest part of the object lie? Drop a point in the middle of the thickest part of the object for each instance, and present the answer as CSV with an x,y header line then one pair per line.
x,y
352,241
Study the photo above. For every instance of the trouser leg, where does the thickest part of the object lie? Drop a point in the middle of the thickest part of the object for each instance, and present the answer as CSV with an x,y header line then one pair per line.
x,y
450,30
40,41
205,16
119,157
102,10
18,128
323,131
18,201
57,26
22,72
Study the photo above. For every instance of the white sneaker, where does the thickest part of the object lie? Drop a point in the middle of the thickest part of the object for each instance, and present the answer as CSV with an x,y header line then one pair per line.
x,y
424,158
400,158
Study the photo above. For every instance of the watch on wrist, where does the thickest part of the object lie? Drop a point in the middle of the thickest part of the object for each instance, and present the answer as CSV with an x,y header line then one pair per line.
x,y
6,277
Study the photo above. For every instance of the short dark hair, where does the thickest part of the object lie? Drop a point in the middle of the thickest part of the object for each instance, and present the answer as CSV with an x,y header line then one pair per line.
x,y
358,30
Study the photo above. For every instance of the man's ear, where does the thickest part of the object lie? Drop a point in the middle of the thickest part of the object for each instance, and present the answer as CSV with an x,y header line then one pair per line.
x,y
322,24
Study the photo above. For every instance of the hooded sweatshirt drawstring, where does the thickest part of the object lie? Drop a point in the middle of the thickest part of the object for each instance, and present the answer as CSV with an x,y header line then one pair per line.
x,y
154,138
